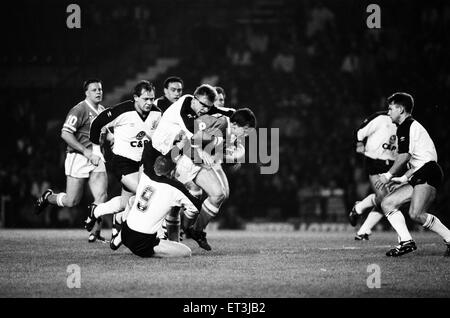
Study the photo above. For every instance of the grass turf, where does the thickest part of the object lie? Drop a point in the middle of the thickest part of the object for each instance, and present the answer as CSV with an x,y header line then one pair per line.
x,y
34,263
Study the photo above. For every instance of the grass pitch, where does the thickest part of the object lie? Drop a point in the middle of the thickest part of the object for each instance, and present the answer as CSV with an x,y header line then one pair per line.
x,y
34,263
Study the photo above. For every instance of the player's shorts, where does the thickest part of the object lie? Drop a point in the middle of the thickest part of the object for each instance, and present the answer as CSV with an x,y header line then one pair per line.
x,y
430,173
141,244
186,169
377,166
122,166
79,166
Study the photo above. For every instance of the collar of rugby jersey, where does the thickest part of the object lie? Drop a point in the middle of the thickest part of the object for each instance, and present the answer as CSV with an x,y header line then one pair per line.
x,y
91,106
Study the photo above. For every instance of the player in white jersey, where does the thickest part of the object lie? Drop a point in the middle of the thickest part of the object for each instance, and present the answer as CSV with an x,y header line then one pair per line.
x,y
156,196
133,122
377,141
424,175
82,163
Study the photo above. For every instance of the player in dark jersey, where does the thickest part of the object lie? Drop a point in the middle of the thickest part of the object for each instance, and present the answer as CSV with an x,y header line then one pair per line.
x,y
83,162
173,89
424,176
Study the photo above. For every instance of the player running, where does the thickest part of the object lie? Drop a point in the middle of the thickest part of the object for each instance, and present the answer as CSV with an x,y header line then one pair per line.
x,y
82,163
417,151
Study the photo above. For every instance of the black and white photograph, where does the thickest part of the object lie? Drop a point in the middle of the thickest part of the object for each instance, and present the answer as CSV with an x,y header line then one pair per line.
x,y
225,154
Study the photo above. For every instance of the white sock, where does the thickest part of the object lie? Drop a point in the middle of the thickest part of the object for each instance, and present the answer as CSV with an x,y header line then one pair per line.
x,y
372,219
398,222
366,203
434,224
59,199
110,207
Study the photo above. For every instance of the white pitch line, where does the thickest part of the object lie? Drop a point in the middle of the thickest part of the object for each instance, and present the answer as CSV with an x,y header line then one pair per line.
x,y
365,247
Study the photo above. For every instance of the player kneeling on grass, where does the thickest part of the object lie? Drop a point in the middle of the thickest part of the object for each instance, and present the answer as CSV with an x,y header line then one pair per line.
x,y
154,199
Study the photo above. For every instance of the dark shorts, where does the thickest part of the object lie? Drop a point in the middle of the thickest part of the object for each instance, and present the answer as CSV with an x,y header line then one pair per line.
x,y
122,166
377,166
430,173
141,244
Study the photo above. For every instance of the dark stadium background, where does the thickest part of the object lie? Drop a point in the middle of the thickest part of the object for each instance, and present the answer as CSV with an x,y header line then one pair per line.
x,y
333,73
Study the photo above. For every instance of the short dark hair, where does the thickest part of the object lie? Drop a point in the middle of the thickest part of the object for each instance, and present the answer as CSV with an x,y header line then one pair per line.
x,y
90,81
173,79
220,90
146,85
244,117
404,99
206,90
163,165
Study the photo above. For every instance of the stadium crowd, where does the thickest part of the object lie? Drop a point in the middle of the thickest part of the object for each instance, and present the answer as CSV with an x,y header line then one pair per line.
x,y
314,74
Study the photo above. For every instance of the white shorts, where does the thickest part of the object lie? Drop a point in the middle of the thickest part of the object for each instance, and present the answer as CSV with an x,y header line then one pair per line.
x,y
78,166
186,169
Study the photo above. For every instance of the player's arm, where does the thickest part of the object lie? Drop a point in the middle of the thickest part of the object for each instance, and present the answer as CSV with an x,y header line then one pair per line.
x,y
399,163
73,122
72,141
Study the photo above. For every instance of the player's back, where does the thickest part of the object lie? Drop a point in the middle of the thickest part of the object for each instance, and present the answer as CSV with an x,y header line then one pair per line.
x,y
379,134
153,201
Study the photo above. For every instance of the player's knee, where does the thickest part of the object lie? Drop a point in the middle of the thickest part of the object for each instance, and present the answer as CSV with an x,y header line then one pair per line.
x,y
387,205
416,215
218,198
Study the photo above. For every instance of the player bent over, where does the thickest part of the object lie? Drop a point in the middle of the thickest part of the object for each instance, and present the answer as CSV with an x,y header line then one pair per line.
x,y
377,141
155,198
81,163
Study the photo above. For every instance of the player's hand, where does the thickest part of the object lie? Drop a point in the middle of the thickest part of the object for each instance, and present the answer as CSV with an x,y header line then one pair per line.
x,y
208,160
381,181
92,158
401,179
360,148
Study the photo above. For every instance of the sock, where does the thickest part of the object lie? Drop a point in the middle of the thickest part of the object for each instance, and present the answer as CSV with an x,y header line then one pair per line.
x,y
110,207
398,222
434,224
118,239
208,212
173,224
59,199
372,219
188,218
366,203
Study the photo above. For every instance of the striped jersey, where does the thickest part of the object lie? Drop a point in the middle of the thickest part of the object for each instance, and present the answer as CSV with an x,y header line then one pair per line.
x,y
79,120
131,130
415,140
378,133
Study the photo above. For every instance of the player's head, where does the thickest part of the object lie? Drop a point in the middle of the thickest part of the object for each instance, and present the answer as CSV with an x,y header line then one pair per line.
x,y
144,96
220,100
242,122
163,166
173,88
93,90
204,97
400,106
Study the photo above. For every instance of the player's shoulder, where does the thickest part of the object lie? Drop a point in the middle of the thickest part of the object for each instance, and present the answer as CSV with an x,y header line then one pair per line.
x,y
377,116
79,109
